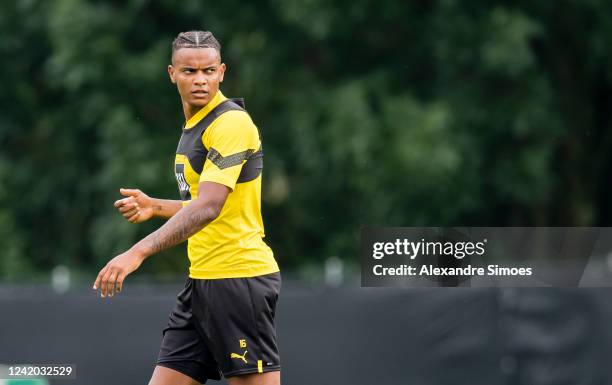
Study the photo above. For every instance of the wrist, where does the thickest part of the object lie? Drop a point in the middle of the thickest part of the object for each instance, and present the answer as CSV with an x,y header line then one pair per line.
x,y
140,251
156,207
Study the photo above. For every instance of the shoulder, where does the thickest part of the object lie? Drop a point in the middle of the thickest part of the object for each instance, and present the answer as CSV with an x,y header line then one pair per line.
x,y
233,117
231,124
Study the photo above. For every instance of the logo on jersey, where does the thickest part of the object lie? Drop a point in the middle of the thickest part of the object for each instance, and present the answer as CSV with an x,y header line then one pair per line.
x,y
179,172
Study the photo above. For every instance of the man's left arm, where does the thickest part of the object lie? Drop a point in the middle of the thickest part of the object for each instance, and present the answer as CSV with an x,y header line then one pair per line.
x,y
185,223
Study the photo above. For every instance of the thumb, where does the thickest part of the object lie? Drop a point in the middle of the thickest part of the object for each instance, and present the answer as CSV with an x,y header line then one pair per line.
x,y
128,192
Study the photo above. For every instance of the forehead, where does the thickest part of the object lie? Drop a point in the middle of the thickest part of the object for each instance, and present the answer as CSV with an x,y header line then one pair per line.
x,y
196,57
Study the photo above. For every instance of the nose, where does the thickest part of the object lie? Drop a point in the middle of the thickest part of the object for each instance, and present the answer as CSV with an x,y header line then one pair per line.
x,y
199,79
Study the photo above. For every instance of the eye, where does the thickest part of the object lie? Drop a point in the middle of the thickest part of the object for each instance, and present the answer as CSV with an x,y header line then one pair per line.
x,y
210,70
188,70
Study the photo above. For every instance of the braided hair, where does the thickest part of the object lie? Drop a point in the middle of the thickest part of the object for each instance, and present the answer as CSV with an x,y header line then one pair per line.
x,y
195,39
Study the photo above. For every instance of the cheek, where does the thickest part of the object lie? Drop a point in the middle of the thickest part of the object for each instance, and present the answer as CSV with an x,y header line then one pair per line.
x,y
218,79
183,86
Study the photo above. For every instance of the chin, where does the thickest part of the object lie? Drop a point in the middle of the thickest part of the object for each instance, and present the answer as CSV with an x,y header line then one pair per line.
x,y
199,102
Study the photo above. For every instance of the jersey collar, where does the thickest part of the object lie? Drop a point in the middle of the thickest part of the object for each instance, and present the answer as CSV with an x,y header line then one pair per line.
x,y
214,102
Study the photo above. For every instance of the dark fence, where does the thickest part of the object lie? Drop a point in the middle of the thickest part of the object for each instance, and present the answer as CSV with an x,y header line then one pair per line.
x,y
341,336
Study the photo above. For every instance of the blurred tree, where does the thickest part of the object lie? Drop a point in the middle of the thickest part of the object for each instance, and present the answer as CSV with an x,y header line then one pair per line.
x,y
386,112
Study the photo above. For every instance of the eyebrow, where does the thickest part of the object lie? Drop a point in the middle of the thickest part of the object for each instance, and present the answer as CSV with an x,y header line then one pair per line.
x,y
187,66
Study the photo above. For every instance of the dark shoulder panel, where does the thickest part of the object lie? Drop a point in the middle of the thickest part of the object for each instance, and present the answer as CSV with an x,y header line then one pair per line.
x,y
191,145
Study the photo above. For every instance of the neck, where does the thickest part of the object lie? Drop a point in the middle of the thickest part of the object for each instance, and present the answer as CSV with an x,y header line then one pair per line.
x,y
189,110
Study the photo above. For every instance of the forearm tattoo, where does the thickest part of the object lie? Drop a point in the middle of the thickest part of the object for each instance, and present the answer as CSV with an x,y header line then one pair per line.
x,y
186,222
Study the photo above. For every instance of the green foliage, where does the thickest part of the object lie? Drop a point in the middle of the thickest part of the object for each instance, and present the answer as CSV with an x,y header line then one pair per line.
x,y
387,112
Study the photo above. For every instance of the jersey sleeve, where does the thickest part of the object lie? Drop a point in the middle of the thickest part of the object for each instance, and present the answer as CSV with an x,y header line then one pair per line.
x,y
230,141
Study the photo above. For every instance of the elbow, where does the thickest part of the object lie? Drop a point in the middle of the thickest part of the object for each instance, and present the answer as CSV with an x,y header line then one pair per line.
x,y
214,211
210,211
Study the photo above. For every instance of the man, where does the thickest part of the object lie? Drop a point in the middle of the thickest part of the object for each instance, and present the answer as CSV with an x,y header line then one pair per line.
x,y
224,318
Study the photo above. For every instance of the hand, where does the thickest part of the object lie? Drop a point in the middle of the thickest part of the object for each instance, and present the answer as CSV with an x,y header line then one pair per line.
x,y
137,207
110,278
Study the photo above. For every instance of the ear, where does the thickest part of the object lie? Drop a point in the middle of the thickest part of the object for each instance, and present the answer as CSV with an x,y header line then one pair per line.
x,y
171,73
222,68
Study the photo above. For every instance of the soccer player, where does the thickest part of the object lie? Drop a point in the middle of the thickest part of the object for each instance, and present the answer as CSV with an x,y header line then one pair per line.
x,y
223,321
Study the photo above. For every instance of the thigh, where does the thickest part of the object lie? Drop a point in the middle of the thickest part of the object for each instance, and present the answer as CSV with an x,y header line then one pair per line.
x,y
236,316
167,376
270,378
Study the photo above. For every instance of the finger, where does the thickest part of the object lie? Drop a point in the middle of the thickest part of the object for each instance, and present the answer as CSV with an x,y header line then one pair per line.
x,y
128,207
129,192
104,284
121,202
134,217
130,213
120,279
98,281
125,201
111,284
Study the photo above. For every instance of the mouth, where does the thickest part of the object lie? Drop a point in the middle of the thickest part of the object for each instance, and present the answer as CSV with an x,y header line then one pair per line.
x,y
199,93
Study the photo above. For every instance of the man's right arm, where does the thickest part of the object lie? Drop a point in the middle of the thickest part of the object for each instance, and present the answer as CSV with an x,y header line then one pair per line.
x,y
165,208
138,207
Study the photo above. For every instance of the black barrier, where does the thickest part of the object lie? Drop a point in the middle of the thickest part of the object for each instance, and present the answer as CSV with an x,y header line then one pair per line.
x,y
346,336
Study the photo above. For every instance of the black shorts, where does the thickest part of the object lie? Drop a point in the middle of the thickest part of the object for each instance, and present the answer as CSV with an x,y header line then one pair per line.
x,y
223,326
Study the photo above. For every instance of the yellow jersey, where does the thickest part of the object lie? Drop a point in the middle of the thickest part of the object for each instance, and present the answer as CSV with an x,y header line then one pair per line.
x,y
221,144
